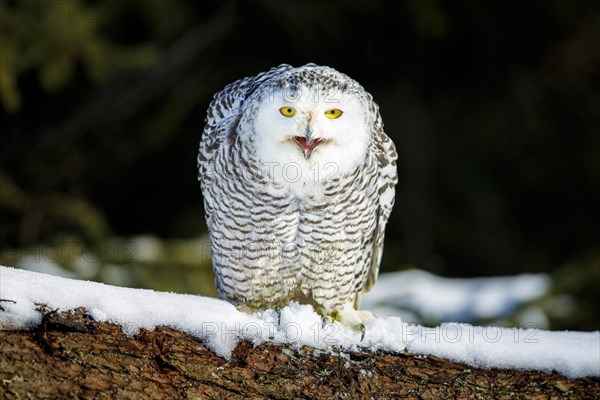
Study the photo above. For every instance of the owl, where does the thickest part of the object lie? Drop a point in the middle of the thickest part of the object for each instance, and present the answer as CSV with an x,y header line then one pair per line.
x,y
298,182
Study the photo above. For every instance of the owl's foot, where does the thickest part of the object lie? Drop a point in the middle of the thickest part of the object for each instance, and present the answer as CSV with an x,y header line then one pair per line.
x,y
246,308
351,318
356,320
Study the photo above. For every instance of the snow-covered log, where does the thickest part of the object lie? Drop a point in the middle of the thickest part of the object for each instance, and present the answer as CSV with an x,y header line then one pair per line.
x,y
66,338
68,356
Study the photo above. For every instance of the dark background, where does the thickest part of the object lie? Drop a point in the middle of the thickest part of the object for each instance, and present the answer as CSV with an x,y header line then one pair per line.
x,y
494,108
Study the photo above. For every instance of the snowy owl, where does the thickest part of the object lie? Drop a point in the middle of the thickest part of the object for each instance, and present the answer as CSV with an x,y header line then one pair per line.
x,y
298,181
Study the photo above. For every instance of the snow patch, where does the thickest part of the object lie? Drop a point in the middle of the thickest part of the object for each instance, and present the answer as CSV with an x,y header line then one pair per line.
x,y
433,298
220,325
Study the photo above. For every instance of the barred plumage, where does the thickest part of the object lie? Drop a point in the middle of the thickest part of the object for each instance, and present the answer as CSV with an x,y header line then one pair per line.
x,y
296,195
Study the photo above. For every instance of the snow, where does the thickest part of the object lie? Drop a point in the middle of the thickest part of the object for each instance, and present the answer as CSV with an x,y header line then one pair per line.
x,y
434,298
220,325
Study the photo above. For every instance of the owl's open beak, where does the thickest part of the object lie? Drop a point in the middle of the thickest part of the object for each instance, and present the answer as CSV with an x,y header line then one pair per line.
x,y
307,143
306,146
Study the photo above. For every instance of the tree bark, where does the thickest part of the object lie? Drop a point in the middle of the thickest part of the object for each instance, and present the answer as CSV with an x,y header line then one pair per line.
x,y
71,356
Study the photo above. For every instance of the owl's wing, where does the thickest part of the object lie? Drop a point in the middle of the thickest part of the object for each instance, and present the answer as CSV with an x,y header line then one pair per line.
x,y
223,115
386,182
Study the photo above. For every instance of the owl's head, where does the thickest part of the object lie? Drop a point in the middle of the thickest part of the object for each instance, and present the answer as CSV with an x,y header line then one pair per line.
x,y
313,122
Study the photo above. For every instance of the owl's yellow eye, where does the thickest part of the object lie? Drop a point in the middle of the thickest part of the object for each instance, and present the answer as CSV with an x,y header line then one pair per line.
x,y
334,113
287,111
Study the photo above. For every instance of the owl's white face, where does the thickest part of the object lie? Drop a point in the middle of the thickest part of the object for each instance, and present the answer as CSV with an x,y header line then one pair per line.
x,y
307,137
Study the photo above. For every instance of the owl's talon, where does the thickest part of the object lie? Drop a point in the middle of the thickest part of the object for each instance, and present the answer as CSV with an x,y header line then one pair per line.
x,y
363,331
326,320
278,312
